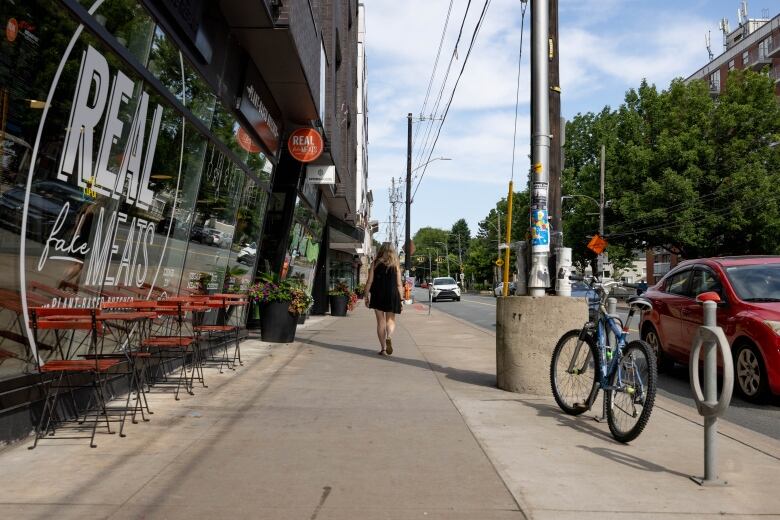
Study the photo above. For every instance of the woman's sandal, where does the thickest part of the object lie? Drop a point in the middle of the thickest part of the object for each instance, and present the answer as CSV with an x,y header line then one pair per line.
x,y
381,352
389,346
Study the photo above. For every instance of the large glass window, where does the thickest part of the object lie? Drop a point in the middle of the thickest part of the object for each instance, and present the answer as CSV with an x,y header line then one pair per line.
x,y
304,246
123,198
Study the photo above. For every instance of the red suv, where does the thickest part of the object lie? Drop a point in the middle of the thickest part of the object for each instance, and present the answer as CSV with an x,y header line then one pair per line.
x,y
749,288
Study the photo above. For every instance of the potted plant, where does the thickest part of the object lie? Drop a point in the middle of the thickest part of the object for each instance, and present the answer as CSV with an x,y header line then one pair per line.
x,y
341,299
280,303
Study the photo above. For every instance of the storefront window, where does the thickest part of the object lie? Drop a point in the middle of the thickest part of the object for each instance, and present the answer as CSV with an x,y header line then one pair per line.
x,y
106,191
304,248
249,227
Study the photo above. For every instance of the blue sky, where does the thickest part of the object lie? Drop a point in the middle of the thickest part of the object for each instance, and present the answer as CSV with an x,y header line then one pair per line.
x,y
606,47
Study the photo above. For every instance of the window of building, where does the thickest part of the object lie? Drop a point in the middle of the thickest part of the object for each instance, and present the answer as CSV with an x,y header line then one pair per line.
x,y
134,203
731,64
745,58
715,81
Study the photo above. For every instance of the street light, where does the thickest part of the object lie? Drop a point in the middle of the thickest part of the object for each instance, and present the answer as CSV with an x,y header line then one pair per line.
x,y
429,162
447,255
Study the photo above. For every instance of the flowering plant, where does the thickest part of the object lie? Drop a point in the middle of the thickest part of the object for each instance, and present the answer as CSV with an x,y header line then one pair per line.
x,y
342,289
271,289
360,290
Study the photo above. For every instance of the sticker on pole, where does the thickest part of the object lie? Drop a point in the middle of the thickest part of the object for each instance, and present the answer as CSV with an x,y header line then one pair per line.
x,y
597,244
540,228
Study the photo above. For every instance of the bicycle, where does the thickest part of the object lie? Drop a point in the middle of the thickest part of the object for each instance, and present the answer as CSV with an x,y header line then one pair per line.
x,y
600,357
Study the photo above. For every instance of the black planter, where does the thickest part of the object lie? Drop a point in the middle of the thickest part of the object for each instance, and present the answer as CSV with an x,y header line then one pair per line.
x,y
277,324
302,318
338,305
253,318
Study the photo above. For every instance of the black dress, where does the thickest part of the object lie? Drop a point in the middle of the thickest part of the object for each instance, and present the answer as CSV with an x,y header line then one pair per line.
x,y
384,290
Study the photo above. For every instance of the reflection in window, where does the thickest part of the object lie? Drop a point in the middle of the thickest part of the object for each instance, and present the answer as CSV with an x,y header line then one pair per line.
x,y
211,235
249,227
304,247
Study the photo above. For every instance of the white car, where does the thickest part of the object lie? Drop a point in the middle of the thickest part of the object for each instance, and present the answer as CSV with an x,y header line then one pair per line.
x,y
247,254
444,288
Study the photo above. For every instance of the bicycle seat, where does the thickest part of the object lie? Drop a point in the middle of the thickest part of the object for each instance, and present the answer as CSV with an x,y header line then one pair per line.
x,y
641,302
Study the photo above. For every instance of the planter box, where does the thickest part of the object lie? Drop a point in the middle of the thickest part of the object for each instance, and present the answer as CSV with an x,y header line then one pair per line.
x,y
277,324
253,316
338,305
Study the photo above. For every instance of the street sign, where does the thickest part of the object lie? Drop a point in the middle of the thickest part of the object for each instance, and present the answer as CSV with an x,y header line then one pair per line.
x,y
500,262
597,244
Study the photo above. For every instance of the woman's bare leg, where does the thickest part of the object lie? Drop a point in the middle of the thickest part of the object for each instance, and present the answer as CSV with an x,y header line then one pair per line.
x,y
381,330
389,324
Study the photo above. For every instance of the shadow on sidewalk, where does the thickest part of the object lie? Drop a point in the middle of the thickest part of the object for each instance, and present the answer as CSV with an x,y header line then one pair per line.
x,y
583,423
631,461
464,376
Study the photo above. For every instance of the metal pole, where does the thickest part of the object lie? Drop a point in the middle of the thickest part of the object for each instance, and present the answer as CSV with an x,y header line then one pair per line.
x,y
408,238
600,262
601,192
505,288
556,127
539,276
710,394
498,246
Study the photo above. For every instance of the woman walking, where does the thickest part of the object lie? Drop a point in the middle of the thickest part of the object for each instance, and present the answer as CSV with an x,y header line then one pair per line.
x,y
384,291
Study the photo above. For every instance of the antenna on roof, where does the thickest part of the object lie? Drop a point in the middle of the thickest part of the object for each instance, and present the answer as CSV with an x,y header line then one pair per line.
x,y
708,43
742,14
724,27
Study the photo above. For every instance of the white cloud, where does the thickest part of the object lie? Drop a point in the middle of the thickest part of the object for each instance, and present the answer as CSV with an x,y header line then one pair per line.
x,y
606,47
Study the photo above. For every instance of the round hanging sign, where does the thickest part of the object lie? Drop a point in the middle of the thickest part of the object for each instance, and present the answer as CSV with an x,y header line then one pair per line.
x,y
305,144
246,142
11,29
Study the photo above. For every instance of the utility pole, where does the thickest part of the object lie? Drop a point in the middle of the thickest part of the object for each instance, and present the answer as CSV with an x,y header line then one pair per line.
x,y
601,191
539,275
498,246
395,200
556,162
601,207
408,239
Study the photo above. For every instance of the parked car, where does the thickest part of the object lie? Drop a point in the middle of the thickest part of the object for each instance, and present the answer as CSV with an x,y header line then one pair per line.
x,y
247,254
424,284
498,290
444,287
749,313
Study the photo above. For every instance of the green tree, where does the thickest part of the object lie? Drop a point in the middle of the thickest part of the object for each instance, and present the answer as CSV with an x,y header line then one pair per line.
x,y
459,238
692,174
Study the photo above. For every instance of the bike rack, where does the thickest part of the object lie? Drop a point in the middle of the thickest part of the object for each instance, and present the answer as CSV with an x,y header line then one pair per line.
x,y
712,340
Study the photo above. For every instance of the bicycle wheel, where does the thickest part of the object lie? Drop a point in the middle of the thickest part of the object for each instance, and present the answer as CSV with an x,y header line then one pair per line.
x,y
573,371
630,401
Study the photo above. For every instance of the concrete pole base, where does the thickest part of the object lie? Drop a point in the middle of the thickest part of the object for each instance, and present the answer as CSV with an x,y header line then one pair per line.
x,y
527,329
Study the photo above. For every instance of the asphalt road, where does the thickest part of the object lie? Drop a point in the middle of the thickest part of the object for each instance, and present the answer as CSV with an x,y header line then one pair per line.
x,y
764,418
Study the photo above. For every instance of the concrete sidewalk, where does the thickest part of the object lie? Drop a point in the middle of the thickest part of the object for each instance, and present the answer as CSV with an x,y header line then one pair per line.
x,y
326,429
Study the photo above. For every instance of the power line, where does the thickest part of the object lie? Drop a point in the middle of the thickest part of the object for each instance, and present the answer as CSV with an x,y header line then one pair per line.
x,y
454,89
443,84
433,72
524,5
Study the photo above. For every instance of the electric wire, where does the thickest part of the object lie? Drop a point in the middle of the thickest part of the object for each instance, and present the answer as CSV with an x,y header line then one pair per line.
x,y
524,5
433,72
440,95
454,90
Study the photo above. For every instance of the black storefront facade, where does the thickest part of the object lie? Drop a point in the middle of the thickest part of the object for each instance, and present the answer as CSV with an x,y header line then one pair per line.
x,y
142,156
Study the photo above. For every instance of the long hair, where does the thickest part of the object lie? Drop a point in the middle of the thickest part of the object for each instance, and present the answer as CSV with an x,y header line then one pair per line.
x,y
387,255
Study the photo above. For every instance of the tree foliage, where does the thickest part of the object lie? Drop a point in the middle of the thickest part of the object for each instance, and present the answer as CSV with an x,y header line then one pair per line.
x,y
696,175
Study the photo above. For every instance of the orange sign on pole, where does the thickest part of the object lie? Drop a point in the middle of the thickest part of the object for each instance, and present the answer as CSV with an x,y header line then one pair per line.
x,y
305,144
597,244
